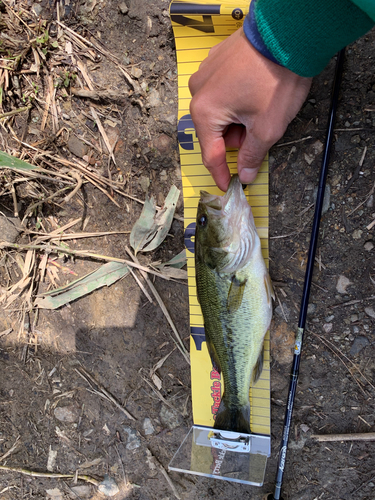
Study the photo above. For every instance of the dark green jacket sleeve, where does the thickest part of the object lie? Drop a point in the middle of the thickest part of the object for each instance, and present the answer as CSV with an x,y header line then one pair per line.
x,y
303,35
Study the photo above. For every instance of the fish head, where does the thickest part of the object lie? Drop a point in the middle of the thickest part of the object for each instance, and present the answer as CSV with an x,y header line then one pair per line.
x,y
225,229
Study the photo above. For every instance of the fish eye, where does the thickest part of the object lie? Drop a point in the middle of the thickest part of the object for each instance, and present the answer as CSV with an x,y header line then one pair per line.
x,y
202,221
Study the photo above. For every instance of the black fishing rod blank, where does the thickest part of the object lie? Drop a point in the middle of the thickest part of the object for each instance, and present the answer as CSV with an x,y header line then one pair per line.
x,y
308,278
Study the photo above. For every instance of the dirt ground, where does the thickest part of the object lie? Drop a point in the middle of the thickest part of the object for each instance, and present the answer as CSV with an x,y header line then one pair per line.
x,y
51,409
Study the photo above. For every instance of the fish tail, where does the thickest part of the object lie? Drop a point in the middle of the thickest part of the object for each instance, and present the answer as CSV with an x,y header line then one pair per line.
x,y
235,419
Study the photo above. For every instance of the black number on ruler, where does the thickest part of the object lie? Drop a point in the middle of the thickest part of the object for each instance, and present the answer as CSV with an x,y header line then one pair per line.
x,y
189,234
180,10
185,130
199,336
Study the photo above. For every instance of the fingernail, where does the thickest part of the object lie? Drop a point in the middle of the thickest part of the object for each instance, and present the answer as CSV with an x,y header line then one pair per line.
x,y
247,175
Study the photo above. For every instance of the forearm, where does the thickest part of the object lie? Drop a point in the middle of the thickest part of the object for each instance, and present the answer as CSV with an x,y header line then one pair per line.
x,y
303,35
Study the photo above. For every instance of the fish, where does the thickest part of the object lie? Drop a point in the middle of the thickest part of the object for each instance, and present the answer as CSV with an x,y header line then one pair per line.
x,y
235,294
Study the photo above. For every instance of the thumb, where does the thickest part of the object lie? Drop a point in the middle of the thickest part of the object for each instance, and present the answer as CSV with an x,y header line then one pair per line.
x,y
250,158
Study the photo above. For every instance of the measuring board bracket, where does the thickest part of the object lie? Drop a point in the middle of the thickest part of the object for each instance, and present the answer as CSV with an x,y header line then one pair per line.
x,y
208,452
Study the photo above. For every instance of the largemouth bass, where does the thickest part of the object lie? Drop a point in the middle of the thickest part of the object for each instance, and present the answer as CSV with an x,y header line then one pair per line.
x,y
234,291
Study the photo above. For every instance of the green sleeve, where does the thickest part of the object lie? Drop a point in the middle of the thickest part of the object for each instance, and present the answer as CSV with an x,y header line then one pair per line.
x,y
303,35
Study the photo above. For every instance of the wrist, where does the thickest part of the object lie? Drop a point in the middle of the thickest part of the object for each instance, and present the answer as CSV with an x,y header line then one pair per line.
x,y
302,36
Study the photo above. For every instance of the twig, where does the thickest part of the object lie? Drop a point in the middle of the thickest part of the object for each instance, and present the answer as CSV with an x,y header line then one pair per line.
x,y
76,189
103,132
15,111
11,450
32,473
371,192
179,343
361,436
351,302
82,372
140,284
294,142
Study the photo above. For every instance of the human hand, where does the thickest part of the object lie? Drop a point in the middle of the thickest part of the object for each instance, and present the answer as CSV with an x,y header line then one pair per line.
x,y
240,99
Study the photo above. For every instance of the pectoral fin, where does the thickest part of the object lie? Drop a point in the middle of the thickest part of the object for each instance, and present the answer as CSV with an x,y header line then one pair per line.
x,y
235,294
269,289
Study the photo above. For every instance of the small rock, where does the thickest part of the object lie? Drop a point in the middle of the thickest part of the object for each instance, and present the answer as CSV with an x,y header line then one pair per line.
x,y
133,441
368,246
154,99
82,491
357,233
163,176
317,147
51,461
342,284
347,124
330,318
355,139
148,427
55,494
370,311
169,418
123,8
77,147
354,318
37,9
359,343
309,158
311,308
10,228
304,428
108,486
370,201
163,143
136,72
66,414
327,327
144,183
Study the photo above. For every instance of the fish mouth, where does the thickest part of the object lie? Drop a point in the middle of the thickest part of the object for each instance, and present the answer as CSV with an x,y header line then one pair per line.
x,y
235,190
223,205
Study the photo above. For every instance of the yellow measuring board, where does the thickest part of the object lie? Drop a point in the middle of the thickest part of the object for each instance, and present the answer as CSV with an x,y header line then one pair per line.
x,y
197,27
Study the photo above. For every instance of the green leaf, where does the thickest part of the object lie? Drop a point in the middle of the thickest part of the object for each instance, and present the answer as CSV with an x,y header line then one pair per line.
x,y
178,261
15,163
172,268
54,44
105,275
152,226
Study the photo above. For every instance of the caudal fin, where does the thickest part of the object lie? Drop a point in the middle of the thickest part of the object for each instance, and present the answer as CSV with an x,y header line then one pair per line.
x,y
233,419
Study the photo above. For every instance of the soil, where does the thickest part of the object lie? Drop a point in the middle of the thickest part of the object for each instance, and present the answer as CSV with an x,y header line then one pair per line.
x,y
117,336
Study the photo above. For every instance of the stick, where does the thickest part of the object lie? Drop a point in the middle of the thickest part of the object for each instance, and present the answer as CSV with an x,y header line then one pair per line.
x,y
32,473
308,280
360,436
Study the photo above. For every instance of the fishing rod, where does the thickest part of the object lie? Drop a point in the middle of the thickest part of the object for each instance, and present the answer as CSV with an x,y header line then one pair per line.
x,y
308,279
